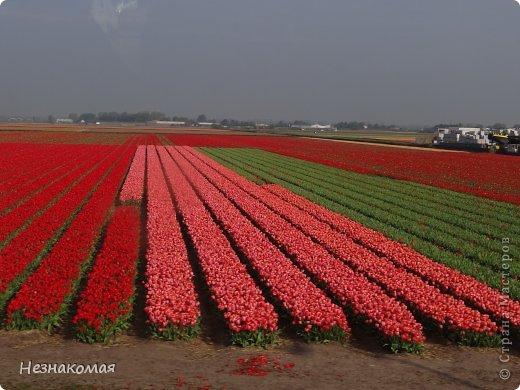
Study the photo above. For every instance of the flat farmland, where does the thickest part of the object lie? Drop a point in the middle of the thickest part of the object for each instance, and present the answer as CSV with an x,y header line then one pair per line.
x,y
228,259
400,137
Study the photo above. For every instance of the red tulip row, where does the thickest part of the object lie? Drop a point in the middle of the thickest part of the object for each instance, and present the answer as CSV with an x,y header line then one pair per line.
x,y
171,302
46,294
17,218
17,158
438,309
394,324
42,161
25,251
249,317
18,178
478,294
52,136
133,188
312,311
31,188
105,305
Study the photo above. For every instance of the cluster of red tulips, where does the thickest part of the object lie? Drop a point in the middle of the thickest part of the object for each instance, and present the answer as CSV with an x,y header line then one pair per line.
x,y
105,305
22,165
27,188
236,295
462,286
133,188
46,294
18,160
171,302
14,220
308,306
16,182
365,300
27,246
54,138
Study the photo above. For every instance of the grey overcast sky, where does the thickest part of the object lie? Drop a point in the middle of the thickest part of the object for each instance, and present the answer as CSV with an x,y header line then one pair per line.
x,y
392,61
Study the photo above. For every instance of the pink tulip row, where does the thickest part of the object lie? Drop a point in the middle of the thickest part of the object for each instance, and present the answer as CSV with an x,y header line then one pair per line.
x,y
171,302
390,318
442,310
31,188
237,297
45,296
133,188
28,245
105,305
464,287
14,220
309,307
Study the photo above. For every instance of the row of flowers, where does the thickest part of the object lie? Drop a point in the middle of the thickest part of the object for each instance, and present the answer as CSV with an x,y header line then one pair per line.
x,y
12,180
435,308
171,302
46,295
312,312
461,286
31,187
55,137
247,314
25,251
16,159
367,302
30,163
11,222
133,189
105,306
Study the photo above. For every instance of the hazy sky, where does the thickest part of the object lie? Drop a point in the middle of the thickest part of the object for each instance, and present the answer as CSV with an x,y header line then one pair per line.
x,y
393,61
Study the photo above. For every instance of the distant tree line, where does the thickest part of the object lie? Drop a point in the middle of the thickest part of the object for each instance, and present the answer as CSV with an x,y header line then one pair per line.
x,y
148,116
138,117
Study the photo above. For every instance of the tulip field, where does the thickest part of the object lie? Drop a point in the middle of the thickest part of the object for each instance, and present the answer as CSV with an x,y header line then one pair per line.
x,y
268,245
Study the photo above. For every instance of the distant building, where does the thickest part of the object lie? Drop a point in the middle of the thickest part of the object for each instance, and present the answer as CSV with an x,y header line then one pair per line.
x,y
64,121
320,127
312,127
206,124
462,136
169,123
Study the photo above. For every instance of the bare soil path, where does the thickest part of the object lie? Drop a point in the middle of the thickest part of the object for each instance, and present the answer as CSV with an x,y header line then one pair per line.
x,y
151,364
